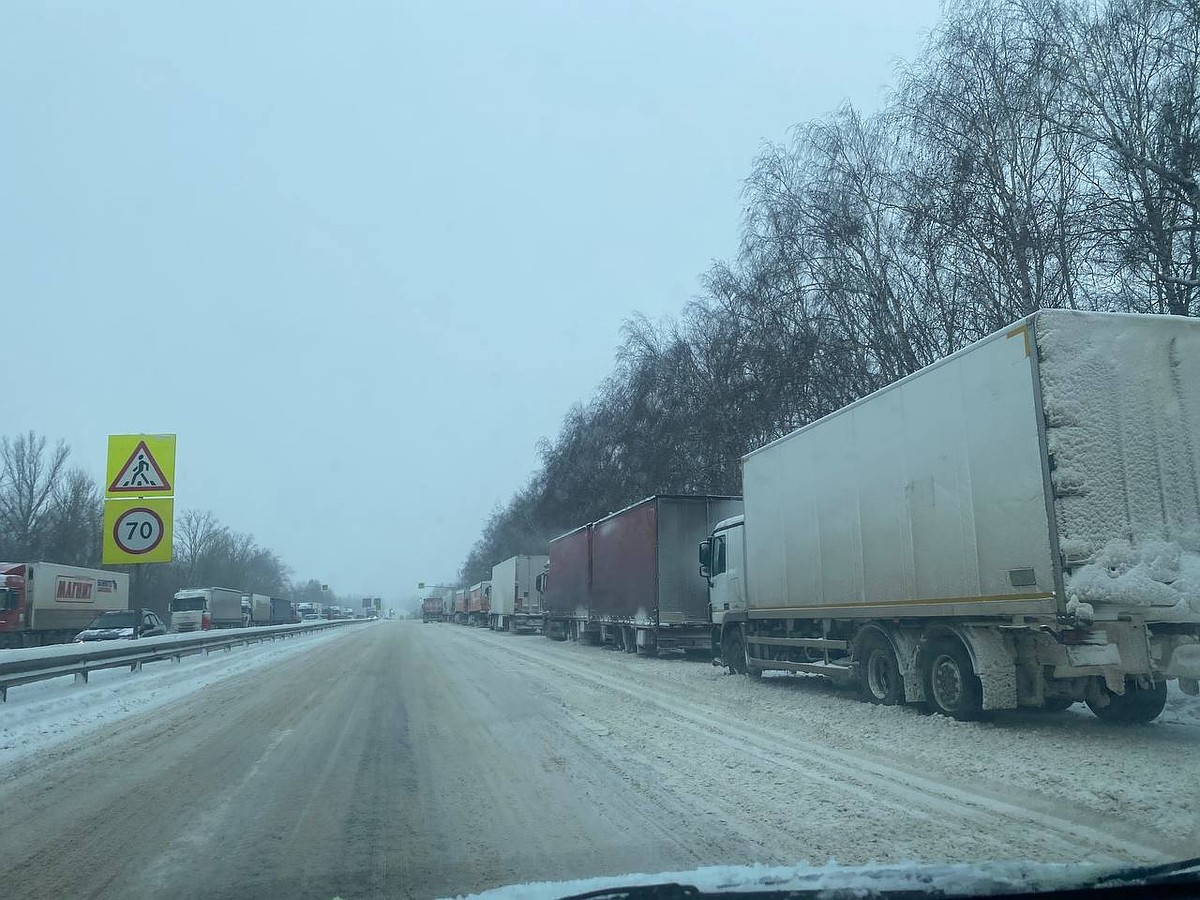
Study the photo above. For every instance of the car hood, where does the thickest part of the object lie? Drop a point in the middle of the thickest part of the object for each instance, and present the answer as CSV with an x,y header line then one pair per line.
x,y
105,634
904,879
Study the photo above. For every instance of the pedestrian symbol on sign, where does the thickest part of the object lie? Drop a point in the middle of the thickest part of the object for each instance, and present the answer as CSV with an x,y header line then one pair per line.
x,y
141,472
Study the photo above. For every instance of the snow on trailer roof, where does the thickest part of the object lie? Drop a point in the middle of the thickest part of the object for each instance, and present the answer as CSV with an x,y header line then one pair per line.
x,y
1017,327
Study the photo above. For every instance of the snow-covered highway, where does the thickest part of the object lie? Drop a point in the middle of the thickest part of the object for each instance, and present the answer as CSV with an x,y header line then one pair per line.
x,y
401,759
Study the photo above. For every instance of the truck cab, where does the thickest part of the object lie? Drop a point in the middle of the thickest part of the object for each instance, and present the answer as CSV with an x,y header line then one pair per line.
x,y
12,597
722,562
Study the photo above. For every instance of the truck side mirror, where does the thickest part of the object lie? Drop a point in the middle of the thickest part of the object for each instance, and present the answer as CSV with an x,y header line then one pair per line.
x,y
706,559
540,583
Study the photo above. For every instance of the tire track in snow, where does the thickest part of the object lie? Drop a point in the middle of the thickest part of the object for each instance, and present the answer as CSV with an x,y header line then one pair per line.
x,y
1001,809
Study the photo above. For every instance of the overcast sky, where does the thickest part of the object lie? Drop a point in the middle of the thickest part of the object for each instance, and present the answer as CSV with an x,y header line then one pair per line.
x,y
361,257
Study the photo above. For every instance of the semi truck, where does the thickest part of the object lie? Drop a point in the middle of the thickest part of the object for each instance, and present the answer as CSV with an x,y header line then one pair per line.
x,y
47,603
198,609
1016,525
628,579
432,609
479,603
516,597
309,611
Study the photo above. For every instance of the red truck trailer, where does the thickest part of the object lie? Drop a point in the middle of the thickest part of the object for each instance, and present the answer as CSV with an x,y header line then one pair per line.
x,y
479,603
458,610
566,583
431,609
629,579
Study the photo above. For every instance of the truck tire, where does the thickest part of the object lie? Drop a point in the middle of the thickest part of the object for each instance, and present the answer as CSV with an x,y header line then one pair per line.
x,y
880,677
951,686
649,648
1137,705
733,652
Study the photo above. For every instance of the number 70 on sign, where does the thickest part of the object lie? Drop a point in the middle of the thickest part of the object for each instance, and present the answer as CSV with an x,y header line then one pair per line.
x,y
138,531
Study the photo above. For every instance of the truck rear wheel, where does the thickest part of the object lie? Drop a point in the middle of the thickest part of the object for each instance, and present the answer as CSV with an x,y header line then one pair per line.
x,y
1137,705
880,679
951,685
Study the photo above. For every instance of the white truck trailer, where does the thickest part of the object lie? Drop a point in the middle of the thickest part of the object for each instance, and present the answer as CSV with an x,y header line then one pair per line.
x,y
198,609
259,608
1016,525
48,603
516,598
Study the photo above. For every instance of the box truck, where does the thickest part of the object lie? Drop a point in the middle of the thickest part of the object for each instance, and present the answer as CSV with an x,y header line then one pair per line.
x,y
47,603
516,596
1016,525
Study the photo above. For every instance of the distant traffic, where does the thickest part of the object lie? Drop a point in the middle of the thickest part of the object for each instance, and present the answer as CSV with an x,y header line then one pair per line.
x,y
47,603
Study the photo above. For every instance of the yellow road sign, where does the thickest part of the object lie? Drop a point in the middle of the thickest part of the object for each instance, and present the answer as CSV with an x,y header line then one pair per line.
x,y
138,531
140,465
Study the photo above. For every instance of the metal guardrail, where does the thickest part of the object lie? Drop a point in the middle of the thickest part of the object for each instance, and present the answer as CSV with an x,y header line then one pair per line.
x,y
56,660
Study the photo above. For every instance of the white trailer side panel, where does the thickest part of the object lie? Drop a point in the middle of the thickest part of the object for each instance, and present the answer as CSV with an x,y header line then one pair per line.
x,y
66,596
515,578
504,581
528,569
925,497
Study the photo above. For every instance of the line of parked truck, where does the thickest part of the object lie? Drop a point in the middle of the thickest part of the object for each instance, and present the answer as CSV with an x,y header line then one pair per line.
x,y
48,603
1016,525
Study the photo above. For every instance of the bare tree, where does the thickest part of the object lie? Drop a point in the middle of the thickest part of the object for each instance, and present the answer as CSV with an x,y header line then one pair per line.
x,y
28,476
75,520
197,535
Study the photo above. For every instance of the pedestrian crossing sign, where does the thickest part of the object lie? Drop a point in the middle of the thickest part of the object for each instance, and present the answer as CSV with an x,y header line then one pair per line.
x,y
141,465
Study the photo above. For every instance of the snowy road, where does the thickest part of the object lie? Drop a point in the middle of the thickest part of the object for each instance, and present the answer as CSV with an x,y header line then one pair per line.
x,y
402,759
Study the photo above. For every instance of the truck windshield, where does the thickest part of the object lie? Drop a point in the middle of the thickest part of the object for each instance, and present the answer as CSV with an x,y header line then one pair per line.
x,y
118,619
8,599
188,604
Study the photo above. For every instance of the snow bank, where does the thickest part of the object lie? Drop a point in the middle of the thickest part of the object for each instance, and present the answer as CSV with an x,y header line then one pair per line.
x,y
984,879
1122,403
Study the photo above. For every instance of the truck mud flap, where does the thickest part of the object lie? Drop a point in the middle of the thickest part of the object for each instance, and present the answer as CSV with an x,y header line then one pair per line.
x,y
994,660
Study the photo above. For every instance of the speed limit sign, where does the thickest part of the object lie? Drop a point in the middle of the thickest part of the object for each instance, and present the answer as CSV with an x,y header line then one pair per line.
x,y
138,531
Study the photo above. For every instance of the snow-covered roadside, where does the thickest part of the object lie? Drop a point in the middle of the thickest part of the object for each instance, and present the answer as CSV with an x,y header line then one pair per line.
x,y
46,713
1048,786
